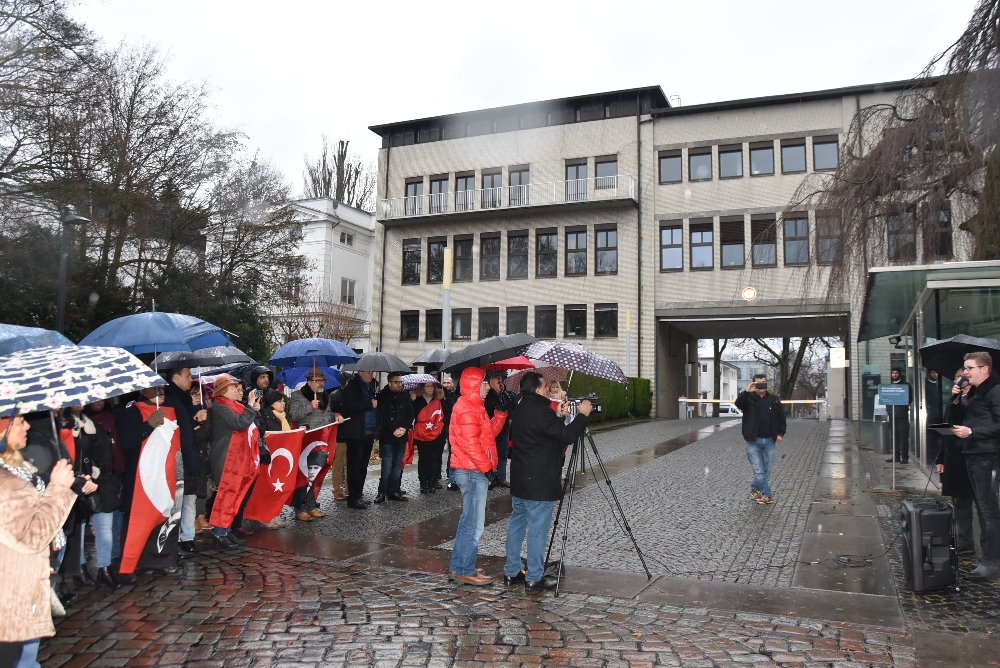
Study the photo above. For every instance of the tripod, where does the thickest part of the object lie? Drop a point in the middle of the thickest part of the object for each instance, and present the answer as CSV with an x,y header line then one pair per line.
x,y
579,456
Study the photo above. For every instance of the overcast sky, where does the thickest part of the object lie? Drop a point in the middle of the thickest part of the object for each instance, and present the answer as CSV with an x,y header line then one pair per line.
x,y
288,72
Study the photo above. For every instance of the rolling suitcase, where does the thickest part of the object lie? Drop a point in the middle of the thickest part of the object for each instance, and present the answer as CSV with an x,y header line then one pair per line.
x,y
929,560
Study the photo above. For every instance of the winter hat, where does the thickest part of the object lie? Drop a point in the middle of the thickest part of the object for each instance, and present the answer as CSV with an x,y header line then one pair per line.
x,y
222,383
272,396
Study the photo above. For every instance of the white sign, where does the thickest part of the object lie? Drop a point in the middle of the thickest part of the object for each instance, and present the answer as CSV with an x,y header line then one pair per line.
x,y
749,294
838,358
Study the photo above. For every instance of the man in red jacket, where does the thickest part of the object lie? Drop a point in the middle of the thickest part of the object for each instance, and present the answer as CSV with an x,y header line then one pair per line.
x,y
472,435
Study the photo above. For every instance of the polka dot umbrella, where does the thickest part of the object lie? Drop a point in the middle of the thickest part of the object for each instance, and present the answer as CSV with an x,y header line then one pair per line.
x,y
575,357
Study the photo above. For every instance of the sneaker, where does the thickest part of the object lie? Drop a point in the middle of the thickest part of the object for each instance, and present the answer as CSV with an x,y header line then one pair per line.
x,y
57,607
756,495
276,523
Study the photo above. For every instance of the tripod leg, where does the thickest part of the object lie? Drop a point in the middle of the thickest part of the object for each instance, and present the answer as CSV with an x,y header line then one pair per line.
x,y
569,510
555,523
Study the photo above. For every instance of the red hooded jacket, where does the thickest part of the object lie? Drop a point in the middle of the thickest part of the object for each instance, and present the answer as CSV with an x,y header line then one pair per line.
x,y
471,433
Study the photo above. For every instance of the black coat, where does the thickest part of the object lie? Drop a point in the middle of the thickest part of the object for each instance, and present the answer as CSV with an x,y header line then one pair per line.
x,y
536,458
95,457
491,402
132,432
353,405
202,442
395,410
955,479
982,415
180,401
746,402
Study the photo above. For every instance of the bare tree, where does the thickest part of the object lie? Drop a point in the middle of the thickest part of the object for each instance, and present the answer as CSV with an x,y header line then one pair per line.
x,y
717,351
341,175
317,313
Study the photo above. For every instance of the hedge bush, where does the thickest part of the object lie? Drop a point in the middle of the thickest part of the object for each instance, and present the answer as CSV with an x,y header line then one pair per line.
x,y
618,401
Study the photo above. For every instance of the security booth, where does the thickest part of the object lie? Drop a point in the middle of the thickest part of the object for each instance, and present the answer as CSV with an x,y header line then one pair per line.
x,y
906,308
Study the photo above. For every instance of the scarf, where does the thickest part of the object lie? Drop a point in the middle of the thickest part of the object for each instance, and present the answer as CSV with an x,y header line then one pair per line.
x,y
280,416
239,471
324,397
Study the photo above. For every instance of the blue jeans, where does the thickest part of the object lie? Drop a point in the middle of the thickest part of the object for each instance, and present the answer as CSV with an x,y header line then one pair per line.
x,y
29,654
391,455
188,512
538,516
474,486
116,534
761,456
102,523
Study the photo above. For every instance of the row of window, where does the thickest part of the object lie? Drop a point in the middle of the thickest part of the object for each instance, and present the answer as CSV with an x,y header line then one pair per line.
x,y
730,165
576,255
516,322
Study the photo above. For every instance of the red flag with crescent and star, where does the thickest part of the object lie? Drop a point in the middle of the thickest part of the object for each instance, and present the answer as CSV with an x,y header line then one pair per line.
x,y
239,471
276,482
323,439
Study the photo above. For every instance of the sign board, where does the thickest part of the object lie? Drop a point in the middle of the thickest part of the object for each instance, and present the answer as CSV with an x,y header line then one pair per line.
x,y
838,358
749,294
894,395
869,386
880,409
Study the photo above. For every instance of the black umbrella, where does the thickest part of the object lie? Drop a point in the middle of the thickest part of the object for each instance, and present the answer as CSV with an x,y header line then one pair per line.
x,y
204,357
432,356
948,355
379,362
489,350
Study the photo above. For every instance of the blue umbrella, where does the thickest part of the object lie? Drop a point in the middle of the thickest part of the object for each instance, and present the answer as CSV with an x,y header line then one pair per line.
x,y
294,376
157,332
313,352
15,337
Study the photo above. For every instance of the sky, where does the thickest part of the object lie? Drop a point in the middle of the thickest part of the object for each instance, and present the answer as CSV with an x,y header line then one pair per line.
x,y
286,73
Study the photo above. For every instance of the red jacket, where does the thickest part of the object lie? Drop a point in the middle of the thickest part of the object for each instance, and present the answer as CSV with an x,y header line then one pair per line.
x,y
472,433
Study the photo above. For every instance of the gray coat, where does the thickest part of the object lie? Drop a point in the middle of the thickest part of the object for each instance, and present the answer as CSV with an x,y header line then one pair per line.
x,y
224,423
302,412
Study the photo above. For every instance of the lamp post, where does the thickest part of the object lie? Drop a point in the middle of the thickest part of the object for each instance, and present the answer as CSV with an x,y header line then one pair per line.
x,y
68,218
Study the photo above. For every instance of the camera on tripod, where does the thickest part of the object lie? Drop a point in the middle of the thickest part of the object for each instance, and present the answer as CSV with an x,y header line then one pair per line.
x,y
574,402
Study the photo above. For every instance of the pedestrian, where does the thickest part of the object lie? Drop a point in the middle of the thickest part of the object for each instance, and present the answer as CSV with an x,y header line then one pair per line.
x,y
952,469
177,395
450,397
496,394
272,418
763,428
358,431
539,434
76,434
394,417
201,400
338,468
980,433
261,379
429,435
899,418
31,518
311,403
474,458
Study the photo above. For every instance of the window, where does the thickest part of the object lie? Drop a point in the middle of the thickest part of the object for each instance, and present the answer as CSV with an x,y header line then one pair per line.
x,y
606,174
435,259
432,327
414,202
793,156
489,322
763,233
492,189
347,290
796,234
671,247
461,324
439,195
489,256
575,321
546,253
606,261
517,254
762,158
411,261
731,161
409,325
702,245
465,192
463,259
576,182
520,187
825,153
576,251
545,322
670,167
517,319
606,320
700,164
937,235
902,236
347,239
827,237
732,241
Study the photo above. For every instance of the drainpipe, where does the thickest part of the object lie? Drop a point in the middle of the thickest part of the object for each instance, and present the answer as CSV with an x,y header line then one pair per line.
x,y
381,301
638,199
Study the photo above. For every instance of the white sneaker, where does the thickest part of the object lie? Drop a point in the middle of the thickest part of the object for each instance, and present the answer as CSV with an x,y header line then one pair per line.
x,y
276,523
57,607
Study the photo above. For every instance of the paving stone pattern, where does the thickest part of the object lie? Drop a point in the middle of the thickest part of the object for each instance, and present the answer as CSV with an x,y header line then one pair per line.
x,y
265,608
691,514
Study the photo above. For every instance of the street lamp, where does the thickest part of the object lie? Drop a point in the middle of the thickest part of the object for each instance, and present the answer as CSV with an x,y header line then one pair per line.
x,y
68,218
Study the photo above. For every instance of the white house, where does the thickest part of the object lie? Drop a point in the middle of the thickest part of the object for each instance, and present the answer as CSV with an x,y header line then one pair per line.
x,y
728,381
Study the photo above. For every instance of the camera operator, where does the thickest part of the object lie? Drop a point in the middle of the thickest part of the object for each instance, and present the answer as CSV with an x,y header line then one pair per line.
x,y
763,427
539,434
980,431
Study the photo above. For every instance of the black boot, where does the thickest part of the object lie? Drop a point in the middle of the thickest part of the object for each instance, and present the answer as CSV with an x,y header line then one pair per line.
x,y
84,577
64,594
105,577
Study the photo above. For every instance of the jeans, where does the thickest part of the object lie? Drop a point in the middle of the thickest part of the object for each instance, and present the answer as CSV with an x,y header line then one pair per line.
x,y
981,469
188,512
474,486
536,518
963,524
116,534
359,451
761,456
392,467
29,654
102,524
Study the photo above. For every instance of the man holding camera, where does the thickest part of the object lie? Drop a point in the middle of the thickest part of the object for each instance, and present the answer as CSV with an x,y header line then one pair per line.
x,y
763,427
539,434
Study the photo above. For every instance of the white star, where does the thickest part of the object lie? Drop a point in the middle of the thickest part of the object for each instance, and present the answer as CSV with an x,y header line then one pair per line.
x,y
278,486
430,425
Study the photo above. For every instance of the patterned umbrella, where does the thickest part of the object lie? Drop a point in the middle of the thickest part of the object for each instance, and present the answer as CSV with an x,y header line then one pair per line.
x,y
414,380
60,376
513,382
576,357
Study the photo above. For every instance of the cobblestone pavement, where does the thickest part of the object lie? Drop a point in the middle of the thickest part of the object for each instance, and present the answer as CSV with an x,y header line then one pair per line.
x,y
691,514
264,608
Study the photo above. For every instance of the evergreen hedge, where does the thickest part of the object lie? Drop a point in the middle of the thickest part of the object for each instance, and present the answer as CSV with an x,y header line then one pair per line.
x,y
618,401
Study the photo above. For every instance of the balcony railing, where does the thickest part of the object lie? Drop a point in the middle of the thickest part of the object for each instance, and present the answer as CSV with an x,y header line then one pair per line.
x,y
597,188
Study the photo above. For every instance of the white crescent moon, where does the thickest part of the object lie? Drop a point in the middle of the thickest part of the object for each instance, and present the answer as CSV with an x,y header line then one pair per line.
x,y
281,452
304,457
153,467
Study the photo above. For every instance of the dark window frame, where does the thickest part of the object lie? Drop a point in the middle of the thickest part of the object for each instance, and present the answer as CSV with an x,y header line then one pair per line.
x,y
485,313
730,149
575,233
670,155
520,192
433,322
455,315
909,230
700,152
519,234
826,141
822,233
794,143
763,232
609,185
546,309
701,226
487,260
728,225
519,310
795,238
577,310
761,146
672,226
463,242
600,333
553,253
439,198
407,320
432,261
607,248
408,247
938,234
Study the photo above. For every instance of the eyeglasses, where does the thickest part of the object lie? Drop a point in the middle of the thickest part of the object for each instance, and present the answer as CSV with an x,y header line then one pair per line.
x,y
970,368
395,382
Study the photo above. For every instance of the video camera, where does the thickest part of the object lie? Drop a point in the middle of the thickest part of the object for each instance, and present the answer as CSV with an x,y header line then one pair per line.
x,y
574,402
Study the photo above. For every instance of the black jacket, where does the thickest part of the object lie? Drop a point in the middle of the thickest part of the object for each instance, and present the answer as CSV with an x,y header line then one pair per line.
x,y
395,410
448,403
746,402
491,402
955,479
982,415
354,405
536,458
202,441
94,457
180,401
132,432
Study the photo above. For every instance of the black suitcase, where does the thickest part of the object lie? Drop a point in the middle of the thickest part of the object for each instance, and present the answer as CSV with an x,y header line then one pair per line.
x,y
929,560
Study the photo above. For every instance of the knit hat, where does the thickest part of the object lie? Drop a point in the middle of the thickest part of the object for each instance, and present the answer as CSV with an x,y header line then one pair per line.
x,y
222,383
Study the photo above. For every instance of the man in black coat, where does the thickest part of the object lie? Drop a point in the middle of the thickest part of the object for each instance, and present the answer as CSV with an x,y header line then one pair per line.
x,y
539,434
450,397
763,428
178,396
899,418
499,397
358,405
394,419
980,431
954,473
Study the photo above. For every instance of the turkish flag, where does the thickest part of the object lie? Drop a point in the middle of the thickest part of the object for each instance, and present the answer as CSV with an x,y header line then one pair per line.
x,y
319,440
153,498
239,471
276,481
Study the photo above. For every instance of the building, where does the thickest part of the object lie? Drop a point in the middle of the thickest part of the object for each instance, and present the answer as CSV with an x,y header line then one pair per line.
x,y
572,218
729,385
